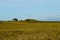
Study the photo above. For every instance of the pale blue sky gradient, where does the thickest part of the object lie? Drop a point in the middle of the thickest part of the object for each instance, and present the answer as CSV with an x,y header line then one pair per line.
x,y
35,9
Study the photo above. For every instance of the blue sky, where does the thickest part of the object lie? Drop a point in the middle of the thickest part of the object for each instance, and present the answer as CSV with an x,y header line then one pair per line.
x,y
35,9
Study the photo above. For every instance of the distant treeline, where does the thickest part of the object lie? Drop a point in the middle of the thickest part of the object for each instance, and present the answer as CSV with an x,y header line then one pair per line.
x,y
26,20
29,21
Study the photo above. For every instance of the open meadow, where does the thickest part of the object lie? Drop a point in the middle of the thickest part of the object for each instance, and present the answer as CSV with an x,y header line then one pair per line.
x,y
15,30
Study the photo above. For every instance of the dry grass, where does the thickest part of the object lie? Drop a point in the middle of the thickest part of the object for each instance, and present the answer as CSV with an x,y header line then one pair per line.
x,y
29,31
23,26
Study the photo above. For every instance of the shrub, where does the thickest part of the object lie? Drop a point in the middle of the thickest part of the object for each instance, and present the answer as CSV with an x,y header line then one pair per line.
x,y
31,20
15,19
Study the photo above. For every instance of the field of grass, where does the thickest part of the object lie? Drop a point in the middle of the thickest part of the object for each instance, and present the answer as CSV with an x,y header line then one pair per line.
x,y
15,30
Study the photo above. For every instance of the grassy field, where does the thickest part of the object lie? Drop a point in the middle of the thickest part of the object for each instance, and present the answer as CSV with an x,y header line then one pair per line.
x,y
15,30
